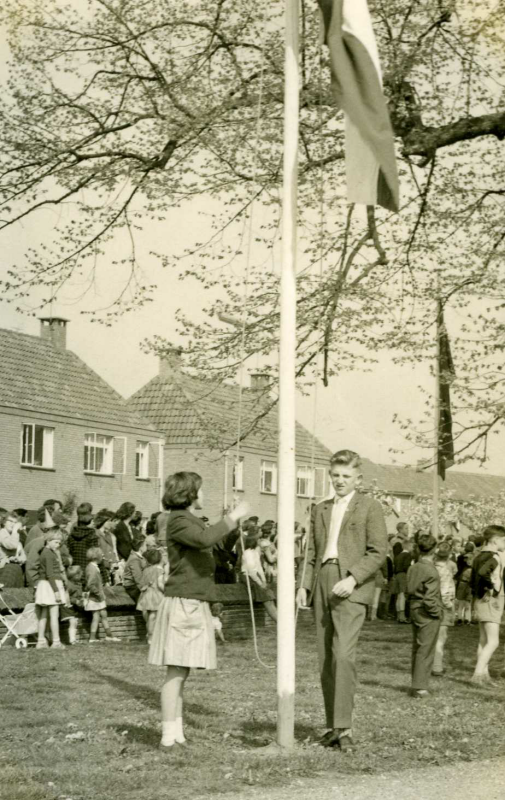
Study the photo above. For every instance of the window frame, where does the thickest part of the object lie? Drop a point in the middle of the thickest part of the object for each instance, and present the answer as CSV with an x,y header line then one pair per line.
x,y
237,475
142,449
47,460
308,477
107,457
263,472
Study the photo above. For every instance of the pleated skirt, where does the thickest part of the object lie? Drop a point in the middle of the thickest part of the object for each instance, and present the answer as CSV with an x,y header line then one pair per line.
x,y
44,594
183,635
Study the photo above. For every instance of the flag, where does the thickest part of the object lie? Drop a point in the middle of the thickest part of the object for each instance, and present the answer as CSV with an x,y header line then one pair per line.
x,y
372,176
446,375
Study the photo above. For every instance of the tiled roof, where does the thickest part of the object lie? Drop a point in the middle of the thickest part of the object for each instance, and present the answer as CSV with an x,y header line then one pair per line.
x,y
37,376
406,480
191,412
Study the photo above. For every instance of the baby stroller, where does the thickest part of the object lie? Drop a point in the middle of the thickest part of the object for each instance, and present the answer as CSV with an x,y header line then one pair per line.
x,y
18,625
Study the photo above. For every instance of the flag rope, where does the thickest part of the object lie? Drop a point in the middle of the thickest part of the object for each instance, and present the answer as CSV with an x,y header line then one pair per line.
x,y
242,353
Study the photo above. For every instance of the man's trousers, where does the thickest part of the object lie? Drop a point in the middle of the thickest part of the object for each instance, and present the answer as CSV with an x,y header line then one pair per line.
x,y
338,625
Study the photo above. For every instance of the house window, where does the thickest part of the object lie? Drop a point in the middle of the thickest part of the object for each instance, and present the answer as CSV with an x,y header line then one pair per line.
x,y
304,482
310,482
268,477
142,460
238,475
37,446
98,453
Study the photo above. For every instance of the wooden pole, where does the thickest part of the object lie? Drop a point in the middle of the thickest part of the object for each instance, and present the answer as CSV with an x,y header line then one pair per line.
x,y
436,456
287,356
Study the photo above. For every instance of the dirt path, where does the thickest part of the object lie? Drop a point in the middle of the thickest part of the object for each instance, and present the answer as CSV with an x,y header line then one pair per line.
x,y
484,780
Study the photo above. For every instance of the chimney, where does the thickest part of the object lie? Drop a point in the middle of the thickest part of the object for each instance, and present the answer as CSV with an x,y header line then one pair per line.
x,y
54,330
170,362
260,381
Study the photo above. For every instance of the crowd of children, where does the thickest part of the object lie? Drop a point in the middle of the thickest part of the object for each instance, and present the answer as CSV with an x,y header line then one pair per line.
x,y
433,585
437,584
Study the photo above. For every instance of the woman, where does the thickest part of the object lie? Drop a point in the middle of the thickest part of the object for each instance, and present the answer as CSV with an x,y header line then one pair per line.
x,y
12,555
183,635
123,531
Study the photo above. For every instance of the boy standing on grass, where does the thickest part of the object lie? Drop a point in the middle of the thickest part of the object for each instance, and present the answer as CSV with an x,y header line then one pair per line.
x,y
426,611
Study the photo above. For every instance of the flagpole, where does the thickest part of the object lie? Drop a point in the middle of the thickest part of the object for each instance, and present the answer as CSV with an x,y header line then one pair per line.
x,y
287,356
436,443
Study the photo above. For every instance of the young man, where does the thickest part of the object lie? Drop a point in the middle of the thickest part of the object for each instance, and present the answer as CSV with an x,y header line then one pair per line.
x,y
347,545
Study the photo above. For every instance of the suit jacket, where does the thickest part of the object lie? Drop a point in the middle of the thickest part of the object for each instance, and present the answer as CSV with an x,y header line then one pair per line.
x,y
362,544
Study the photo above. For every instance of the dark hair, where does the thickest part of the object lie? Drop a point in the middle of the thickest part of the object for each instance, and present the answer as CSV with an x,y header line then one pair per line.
x,y
125,510
51,504
138,540
153,555
251,540
426,543
478,539
444,551
493,532
151,527
181,490
84,510
154,516
136,518
41,514
102,516
469,547
346,458
20,512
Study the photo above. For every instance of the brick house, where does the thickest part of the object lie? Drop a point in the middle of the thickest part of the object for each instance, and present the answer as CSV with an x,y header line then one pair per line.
x,y
403,484
199,420
64,429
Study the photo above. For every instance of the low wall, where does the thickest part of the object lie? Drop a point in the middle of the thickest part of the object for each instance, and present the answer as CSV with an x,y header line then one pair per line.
x,y
127,623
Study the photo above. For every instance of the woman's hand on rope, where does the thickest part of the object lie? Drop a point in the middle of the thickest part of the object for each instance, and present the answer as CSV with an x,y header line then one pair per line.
x,y
240,511
301,598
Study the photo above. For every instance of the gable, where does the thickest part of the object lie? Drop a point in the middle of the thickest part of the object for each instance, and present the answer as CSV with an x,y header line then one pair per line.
x,y
39,377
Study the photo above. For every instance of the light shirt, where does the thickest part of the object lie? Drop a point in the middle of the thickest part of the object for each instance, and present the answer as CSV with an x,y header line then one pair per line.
x,y
340,506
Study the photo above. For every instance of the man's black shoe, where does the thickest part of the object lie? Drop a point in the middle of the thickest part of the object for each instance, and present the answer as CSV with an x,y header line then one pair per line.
x,y
330,738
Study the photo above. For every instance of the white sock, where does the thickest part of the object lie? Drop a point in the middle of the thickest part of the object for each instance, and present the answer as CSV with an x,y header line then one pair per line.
x,y
168,733
179,732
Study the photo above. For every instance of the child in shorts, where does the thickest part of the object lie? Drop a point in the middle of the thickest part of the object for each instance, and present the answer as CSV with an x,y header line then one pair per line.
x,y
488,594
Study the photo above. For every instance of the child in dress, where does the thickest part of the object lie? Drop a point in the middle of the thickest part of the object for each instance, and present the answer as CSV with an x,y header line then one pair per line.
x,y
95,597
151,589
488,594
74,590
252,567
445,568
426,611
216,610
50,593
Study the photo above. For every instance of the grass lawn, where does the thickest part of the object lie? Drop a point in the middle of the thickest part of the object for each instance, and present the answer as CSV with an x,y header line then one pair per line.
x,y
84,723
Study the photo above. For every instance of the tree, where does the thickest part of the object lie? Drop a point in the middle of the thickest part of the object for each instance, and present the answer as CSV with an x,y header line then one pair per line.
x,y
131,108
474,513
